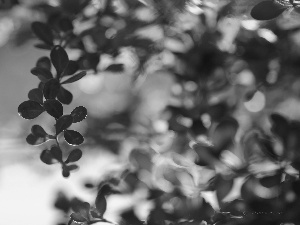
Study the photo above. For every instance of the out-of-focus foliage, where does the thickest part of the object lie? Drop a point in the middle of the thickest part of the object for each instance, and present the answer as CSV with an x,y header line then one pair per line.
x,y
221,129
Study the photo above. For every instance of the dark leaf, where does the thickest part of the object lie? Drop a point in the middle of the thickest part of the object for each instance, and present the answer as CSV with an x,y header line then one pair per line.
x,y
95,214
44,62
65,24
100,203
72,167
74,156
30,109
271,181
62,202
223,187
267,10
280,126
53,108
65,172
118,67
43,74
46,157
79,114
51,89
72,68
77,217
56,153
36,95
74,78
64,96
130,218
59,58
34,140
43,32
63,123
224,134
73,137
38,131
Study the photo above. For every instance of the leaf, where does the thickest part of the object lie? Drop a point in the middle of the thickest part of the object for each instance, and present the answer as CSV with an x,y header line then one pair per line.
x,y
74,78
79,114
65,24
271,181
267,10
72,68
34,140
36,95
46,157
44,62
43,32
51,89
64,96
74,156
223,187
63,123
56,153
77,217
65,172
59,58
72,167
117,67
53,108
280,126
43,74
30,109
38,131
73,137
100,203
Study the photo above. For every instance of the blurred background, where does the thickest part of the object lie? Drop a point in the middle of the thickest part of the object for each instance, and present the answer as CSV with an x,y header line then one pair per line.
x,y
253,71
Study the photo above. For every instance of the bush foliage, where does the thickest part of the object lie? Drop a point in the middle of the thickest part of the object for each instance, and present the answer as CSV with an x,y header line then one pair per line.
x,y
223,131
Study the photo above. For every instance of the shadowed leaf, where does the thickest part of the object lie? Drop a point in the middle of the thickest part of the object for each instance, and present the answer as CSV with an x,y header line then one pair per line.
x,y
38,131
64,96
79,114
267,10
63,123
36,95
72,68
59,58
118,67
73,137
30,109
44,62
53,108
74,156
100,203
56,153
74,78
34,140
51,89
46,157
43,32
43,74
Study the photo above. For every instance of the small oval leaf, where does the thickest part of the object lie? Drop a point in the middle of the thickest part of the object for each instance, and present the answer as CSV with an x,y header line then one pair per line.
x,y
115,68
72,68
74,156
44,62
36,95
53,108
64,96
79,114
46,157
267,10
30,109
38,131
73,137
34,140
43,74
63,123
74,78
51,89
56,153
43,32
60,59
101,203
